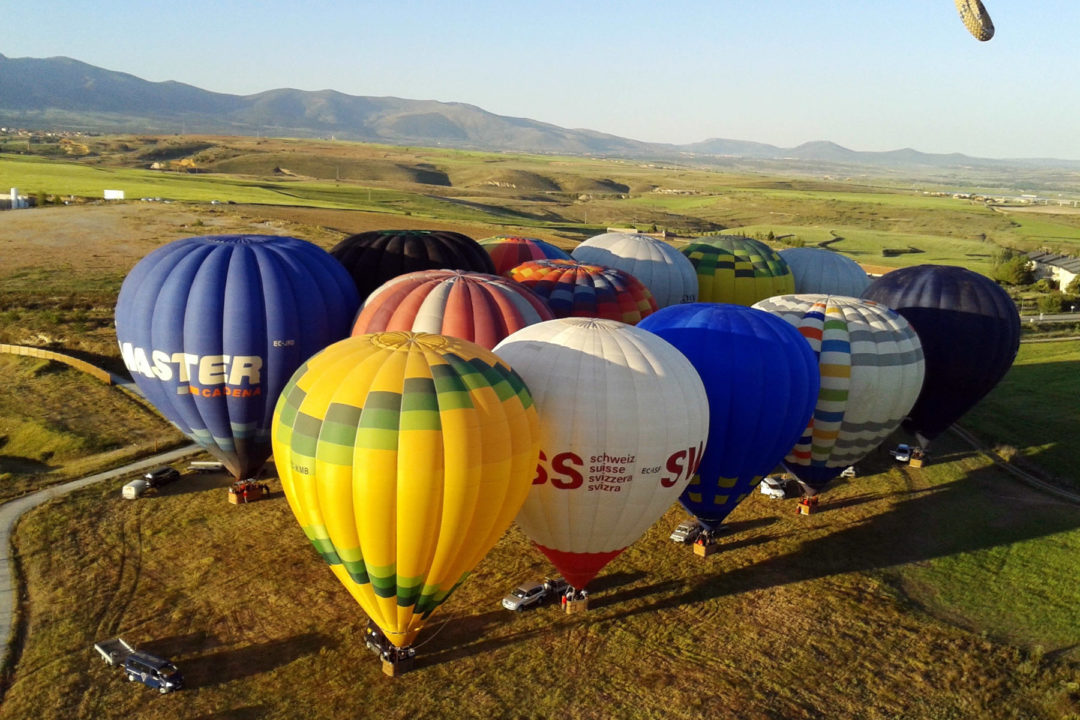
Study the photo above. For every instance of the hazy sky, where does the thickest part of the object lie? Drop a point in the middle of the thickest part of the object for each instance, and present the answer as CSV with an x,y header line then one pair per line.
x,y
869,75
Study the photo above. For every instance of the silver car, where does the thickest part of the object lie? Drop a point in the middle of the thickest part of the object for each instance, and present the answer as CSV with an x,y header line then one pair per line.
x,y
524,596
686,532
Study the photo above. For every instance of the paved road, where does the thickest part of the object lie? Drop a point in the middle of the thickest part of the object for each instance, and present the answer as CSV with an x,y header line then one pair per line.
x,y
11,511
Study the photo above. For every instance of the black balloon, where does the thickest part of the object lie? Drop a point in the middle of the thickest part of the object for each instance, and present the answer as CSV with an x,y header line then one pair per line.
x,y
376,256
970,331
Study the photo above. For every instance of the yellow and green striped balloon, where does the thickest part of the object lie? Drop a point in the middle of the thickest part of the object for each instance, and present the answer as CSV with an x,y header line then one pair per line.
x,y
405,456
738,270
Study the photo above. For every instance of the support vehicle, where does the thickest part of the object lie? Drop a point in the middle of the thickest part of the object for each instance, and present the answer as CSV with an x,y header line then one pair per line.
x,y
161,476
902,453
686,532
528,594
140,666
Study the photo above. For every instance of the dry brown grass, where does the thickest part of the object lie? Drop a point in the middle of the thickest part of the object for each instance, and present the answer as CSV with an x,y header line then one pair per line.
x,y
799,617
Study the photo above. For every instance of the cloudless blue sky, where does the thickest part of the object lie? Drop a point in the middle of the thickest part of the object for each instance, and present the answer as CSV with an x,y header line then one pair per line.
x,y
867,75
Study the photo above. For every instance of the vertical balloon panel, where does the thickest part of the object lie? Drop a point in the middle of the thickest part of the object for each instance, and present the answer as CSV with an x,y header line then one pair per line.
x,y
871,366
738,270
509,251
212,327
623,423
574,289
477,307
668,274
761,380
371,258
817,270
404,457
969,328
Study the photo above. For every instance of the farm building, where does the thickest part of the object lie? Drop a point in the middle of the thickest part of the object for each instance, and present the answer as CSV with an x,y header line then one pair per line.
x,y
1063,269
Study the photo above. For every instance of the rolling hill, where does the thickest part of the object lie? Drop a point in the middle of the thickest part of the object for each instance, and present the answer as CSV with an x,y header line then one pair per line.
x,y
60,93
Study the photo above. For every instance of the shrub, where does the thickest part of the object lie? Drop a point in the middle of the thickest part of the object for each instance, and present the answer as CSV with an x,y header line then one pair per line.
x,y
1050,303
1012,268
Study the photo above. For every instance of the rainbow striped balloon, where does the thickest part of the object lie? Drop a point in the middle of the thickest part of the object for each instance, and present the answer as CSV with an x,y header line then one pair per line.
x,y
574,289
405,457
872,368
509,251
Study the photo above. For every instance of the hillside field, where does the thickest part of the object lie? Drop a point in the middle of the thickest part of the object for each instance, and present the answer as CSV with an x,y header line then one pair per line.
x,y
940,593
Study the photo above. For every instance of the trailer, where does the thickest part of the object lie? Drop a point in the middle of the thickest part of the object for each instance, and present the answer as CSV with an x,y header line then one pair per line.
x,y
115,651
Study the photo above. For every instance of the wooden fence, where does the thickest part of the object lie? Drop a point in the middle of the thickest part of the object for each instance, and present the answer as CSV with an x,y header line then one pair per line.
x,y
36,352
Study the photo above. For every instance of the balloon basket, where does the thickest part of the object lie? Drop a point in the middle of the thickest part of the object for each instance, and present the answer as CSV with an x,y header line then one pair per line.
x,y
245,491
577,606
706,549
808,505
917,458
393,668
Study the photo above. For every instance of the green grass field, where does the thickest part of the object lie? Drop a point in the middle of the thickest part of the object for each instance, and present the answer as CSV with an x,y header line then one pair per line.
x,y
57,423
1033,408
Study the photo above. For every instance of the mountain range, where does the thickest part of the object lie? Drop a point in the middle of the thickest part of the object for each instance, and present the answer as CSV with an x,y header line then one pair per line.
x,y
60,93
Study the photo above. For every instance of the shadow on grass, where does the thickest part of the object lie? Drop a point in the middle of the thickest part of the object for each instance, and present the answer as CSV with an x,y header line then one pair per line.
x,y
961,517
250,712
24,466
224,666
463,637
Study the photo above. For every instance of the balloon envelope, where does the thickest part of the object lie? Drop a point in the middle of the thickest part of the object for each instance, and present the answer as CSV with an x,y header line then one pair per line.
x,y
668,274
623,421
509,251
212,327
404,457
970,332
477,307
574,289
871,367
817,270
761,381
376,256
739,270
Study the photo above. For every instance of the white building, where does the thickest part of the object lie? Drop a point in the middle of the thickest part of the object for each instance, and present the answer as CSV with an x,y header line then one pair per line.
x,y
1063,269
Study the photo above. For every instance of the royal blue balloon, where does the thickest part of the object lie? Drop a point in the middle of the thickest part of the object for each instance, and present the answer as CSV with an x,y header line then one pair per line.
x,y
762,380
212,328
970,332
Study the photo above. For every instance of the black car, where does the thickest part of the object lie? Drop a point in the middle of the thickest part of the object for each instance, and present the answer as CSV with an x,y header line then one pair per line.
x,y
162,476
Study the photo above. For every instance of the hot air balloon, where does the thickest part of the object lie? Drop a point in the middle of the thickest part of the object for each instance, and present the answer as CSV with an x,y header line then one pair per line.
x,y
477,307
212,327
871,366
970,332
405,457
623,421
976,19
574,289
668,274
509,251
817,270
739,270
376,256
761,380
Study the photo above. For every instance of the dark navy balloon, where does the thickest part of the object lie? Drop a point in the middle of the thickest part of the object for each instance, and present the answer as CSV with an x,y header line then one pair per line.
x,y
376,256
970,332
212,328
761,378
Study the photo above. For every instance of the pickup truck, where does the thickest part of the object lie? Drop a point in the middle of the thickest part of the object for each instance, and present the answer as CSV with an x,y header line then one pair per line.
x,y
150,670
